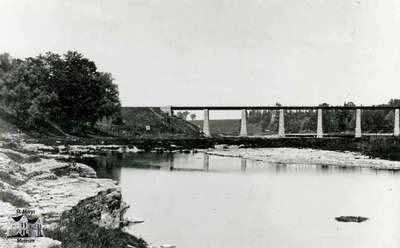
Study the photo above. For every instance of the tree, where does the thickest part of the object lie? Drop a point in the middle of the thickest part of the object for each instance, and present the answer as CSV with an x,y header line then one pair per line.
x,y
67,90
394,102
7,64
183,115
193,116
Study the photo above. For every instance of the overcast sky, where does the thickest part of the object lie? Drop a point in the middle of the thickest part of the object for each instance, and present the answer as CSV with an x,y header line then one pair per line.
x,y
221,52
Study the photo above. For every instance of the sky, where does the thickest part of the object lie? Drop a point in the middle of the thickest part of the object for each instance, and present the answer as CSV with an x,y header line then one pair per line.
x,y
221,52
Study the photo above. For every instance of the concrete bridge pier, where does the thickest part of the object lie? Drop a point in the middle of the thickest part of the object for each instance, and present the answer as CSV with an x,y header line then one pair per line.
x,y
319,124
243,123
206,124
396,123
281,129
358,123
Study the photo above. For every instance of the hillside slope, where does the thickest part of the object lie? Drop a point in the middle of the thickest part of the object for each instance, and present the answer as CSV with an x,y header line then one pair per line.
x,y
144,121
10,126
6,125
229,127
137,121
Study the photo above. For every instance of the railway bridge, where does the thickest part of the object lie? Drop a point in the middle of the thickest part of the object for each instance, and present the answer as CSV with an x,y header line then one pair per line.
x,y
281,129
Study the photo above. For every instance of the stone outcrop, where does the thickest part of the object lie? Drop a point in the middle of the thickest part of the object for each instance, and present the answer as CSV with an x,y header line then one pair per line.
x,y
96,222
78,208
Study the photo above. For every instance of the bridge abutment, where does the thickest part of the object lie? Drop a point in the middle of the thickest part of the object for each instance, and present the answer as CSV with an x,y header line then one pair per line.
x,y
243,123
319,124
358,124
206,123
168,110
281,129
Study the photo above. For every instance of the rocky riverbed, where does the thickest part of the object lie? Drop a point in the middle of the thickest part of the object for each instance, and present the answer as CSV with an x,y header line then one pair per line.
x,y
306,156
78,209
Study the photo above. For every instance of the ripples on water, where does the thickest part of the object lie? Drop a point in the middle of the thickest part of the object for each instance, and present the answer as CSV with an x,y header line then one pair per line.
x,y
196,201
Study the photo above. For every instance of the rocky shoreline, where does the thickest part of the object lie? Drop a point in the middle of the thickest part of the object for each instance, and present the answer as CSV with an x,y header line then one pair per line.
x,y
77,207
384,147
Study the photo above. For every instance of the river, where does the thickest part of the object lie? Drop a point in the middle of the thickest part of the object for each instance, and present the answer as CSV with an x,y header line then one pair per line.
x,y
199,201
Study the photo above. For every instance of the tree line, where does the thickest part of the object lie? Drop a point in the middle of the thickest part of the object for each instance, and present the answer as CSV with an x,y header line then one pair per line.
x,y
67,90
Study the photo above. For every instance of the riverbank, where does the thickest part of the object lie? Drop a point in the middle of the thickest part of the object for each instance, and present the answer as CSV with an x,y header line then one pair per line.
x,y
77,208
384,147
369,152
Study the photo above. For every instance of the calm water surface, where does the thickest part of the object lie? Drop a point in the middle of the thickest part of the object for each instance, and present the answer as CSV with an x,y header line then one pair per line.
x,y
198,201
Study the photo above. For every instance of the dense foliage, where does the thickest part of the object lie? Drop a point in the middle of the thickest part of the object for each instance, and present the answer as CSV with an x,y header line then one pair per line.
x,y
305,121
67,90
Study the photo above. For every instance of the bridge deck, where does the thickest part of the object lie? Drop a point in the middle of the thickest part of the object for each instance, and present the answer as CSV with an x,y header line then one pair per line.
x,y
284,107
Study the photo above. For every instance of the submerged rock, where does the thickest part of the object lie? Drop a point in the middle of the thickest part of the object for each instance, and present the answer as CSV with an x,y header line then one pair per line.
x,y
221,146
357,219
168,246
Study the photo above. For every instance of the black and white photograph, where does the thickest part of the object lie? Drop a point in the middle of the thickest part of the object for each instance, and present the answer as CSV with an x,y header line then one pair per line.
x,y
199,123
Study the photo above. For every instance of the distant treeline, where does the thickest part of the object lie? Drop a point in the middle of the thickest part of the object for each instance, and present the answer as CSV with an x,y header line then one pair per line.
x,y
65,90
305,121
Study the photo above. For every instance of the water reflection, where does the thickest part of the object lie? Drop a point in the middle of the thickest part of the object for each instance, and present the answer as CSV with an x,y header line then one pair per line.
x,y
243,164
206,161
171,163
282,167
107,163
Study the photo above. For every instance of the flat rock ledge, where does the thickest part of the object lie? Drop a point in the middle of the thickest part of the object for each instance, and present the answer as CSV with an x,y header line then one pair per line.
x,y
78,209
